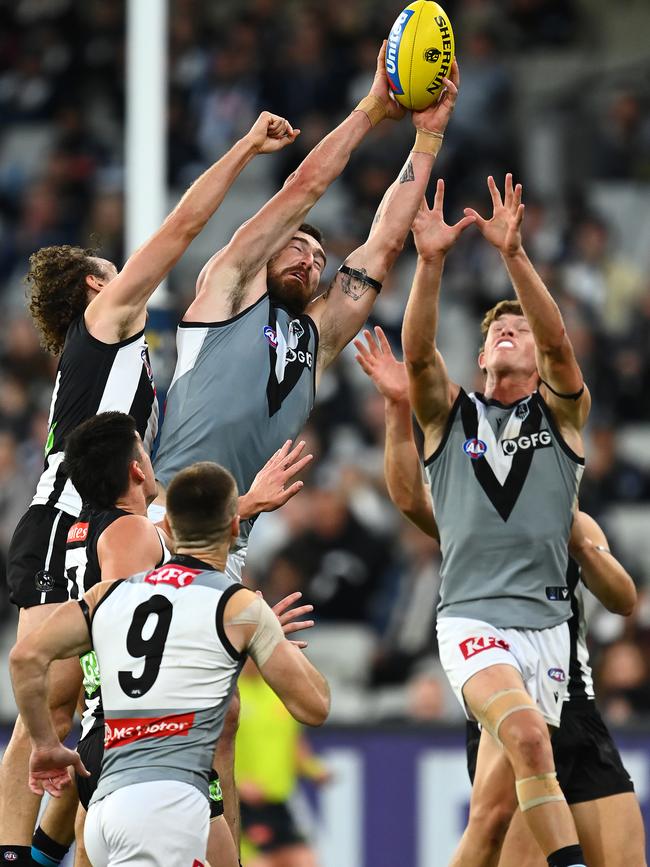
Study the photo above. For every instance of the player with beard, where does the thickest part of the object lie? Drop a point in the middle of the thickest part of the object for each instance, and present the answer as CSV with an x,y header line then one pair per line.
x,y
253,344
504,469
590,769
94,317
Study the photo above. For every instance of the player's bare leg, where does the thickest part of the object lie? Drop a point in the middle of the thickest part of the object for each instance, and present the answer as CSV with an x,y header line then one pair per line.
x,y
221,846
224,763
492,804
527,745
520,848
58,821
611,831
18,806
81,858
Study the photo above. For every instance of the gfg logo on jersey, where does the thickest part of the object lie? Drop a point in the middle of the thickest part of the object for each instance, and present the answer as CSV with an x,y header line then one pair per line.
x,y
78,532
541,440
471,646
474,448
392,51
270,335
557,674
177,576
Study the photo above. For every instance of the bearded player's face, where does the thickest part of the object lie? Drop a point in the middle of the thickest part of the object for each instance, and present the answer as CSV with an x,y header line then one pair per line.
x,y
294,274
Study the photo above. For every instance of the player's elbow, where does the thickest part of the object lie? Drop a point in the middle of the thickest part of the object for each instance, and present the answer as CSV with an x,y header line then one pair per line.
x,y
23,658
310,181
314,711
625,603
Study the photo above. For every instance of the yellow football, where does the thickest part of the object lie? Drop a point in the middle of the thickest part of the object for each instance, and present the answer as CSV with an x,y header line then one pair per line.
x,y
419,54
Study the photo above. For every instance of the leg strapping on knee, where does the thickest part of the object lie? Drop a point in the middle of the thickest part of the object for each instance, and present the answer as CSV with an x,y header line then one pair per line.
x,y
499,707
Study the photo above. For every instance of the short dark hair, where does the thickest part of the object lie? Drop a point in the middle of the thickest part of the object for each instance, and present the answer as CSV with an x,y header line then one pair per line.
x,y
201,503
308,229
57,290
98,454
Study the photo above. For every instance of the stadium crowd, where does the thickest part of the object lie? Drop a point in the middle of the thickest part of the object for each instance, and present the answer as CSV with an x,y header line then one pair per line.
x,y
586,172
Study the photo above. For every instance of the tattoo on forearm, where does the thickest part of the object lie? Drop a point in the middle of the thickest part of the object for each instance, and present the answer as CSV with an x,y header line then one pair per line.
x,y
354,287
377,217
407,173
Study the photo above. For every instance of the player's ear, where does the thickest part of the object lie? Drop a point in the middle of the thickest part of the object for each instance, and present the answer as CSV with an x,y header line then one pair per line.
x,y
165,526
136,472
481,360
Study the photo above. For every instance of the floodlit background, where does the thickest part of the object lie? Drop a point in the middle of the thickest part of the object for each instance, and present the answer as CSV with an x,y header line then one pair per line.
x,y
557,91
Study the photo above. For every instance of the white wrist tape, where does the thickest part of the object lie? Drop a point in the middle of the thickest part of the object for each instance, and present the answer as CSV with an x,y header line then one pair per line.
x,y
268,633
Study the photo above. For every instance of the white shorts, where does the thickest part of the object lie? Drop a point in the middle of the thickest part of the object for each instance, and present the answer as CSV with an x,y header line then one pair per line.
x,y
541,656
149,825
236,559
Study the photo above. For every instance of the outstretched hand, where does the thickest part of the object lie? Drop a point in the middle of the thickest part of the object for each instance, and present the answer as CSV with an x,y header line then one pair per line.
x,y
433,237
376,359
49,769
270,132
436,117
381,90
269,490
288,616
503,229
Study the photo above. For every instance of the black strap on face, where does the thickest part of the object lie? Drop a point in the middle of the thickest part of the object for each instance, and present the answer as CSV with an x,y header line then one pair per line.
x,y
359,275
575,396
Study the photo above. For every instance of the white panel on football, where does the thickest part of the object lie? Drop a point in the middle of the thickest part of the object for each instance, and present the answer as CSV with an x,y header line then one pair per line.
x,y
340,835
443,792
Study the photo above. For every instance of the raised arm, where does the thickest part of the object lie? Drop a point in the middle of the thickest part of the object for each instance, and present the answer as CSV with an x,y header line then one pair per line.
x,y
63,634
562,383
431,392
252,626
227,283
342,310
600,570
402,467
118,310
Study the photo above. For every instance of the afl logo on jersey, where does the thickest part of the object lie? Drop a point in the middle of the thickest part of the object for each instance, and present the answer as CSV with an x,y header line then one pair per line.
x,y
557,674
270,335
474,448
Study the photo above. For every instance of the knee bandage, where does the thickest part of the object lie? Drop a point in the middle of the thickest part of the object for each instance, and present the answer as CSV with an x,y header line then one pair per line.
x,y
538,790
499,707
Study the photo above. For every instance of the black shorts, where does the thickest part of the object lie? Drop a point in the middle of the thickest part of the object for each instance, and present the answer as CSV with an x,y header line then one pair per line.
x,y
270,826
91,751
36,558
588,764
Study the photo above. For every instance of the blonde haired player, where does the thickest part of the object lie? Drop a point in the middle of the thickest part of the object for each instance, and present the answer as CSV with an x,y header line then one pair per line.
x,y
504,469
597,786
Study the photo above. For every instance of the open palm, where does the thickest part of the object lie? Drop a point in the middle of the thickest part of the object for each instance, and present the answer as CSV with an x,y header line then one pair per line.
x,y
432,235
376,359
503,229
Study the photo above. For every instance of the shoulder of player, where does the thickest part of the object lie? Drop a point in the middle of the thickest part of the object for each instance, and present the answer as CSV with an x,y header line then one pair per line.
x,y
127,529
238,601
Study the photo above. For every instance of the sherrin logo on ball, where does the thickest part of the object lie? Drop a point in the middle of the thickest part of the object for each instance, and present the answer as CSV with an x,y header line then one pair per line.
x,y
419,54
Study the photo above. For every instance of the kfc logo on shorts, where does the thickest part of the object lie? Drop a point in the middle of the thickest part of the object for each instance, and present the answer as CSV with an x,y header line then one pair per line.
x,y
78,532
474,448
557,674
177,576
471,646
